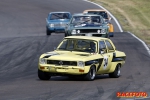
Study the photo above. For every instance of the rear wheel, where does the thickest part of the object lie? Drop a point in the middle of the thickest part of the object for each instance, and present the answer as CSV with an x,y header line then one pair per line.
x,y
43,75
116,73
48,32
91,74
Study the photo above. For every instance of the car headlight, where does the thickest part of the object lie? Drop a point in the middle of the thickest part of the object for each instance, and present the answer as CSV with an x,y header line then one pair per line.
x,y
73,32
42,61
51,25
103,31
98,31
80,63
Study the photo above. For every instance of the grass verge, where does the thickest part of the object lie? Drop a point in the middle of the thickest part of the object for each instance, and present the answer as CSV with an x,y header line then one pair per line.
x,y
133,15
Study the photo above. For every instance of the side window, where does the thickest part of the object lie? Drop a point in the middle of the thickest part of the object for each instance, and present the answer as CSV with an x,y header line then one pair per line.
x,y
63,45
109,46
102,46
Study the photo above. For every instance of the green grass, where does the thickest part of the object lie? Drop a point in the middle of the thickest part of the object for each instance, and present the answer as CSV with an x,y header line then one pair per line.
x,y
133,15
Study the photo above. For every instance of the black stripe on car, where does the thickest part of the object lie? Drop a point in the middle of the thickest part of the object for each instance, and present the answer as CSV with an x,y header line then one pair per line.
x,y
115,59
47,56
95,61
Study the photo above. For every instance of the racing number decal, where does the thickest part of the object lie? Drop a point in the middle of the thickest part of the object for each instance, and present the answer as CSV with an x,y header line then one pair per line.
x,y
105,62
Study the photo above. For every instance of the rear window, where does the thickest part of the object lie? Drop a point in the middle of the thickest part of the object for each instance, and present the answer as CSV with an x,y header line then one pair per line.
x,y
55,16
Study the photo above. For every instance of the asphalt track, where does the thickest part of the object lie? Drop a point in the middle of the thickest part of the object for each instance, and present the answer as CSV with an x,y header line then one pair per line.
x,y
23,40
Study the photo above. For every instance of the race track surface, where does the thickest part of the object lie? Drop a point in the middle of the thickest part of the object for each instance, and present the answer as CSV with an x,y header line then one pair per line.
x,y
23,40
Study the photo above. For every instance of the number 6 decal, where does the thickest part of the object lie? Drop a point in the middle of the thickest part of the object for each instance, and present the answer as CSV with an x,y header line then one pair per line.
x,y
105,62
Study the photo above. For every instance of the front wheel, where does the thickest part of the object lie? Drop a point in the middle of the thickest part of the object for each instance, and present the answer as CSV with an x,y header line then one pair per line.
x,y
91,74
116,73
48,32
66,35
107,36
43,75
111,34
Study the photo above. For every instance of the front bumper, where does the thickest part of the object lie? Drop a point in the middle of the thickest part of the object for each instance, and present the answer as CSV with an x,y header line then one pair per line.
x,y
56,29
88,32
72,70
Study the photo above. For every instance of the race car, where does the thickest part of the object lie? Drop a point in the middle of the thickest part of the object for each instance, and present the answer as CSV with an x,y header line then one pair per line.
x,y
105,15
82,56
87,25
56,22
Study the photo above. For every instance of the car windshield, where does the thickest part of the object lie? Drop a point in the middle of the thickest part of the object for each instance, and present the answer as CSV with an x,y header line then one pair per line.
x,y
86,20
56,16
102,13
80,45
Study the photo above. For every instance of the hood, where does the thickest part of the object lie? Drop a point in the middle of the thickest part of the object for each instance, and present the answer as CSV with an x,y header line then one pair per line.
x,y
59,20
66,55
88,25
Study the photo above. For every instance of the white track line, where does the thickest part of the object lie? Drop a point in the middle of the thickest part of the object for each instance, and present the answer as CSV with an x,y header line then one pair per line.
x,y
148,50
119,26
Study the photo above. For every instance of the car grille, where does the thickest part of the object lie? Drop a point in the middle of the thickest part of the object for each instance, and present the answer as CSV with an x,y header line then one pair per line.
x,y
59,25
58,62
88,30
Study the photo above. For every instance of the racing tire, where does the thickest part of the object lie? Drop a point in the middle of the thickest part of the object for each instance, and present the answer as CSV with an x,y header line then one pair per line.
x,y
43,75
72,76
116,73
66,35
111,34
48,32
107,35
91,74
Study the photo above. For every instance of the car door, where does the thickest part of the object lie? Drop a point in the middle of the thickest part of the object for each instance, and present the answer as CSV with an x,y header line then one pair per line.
x,y
108,56
106,51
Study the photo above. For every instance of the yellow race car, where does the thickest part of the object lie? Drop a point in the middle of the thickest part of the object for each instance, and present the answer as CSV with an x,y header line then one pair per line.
x,y
105,15
82,56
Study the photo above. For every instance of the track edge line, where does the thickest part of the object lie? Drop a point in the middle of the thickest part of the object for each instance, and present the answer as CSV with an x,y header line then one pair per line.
x,y
146,47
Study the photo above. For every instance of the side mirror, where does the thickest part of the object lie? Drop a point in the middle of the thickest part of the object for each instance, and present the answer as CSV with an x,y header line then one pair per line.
x,y
66,25
46,20
101,51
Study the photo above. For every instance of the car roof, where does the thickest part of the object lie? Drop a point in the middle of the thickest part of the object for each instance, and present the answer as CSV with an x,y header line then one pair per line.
x,y
82,14
59,12
94,10
86,37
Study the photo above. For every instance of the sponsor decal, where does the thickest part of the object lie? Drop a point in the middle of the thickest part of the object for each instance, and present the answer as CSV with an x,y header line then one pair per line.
x,y
105,62
83,54
131,94
50,54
